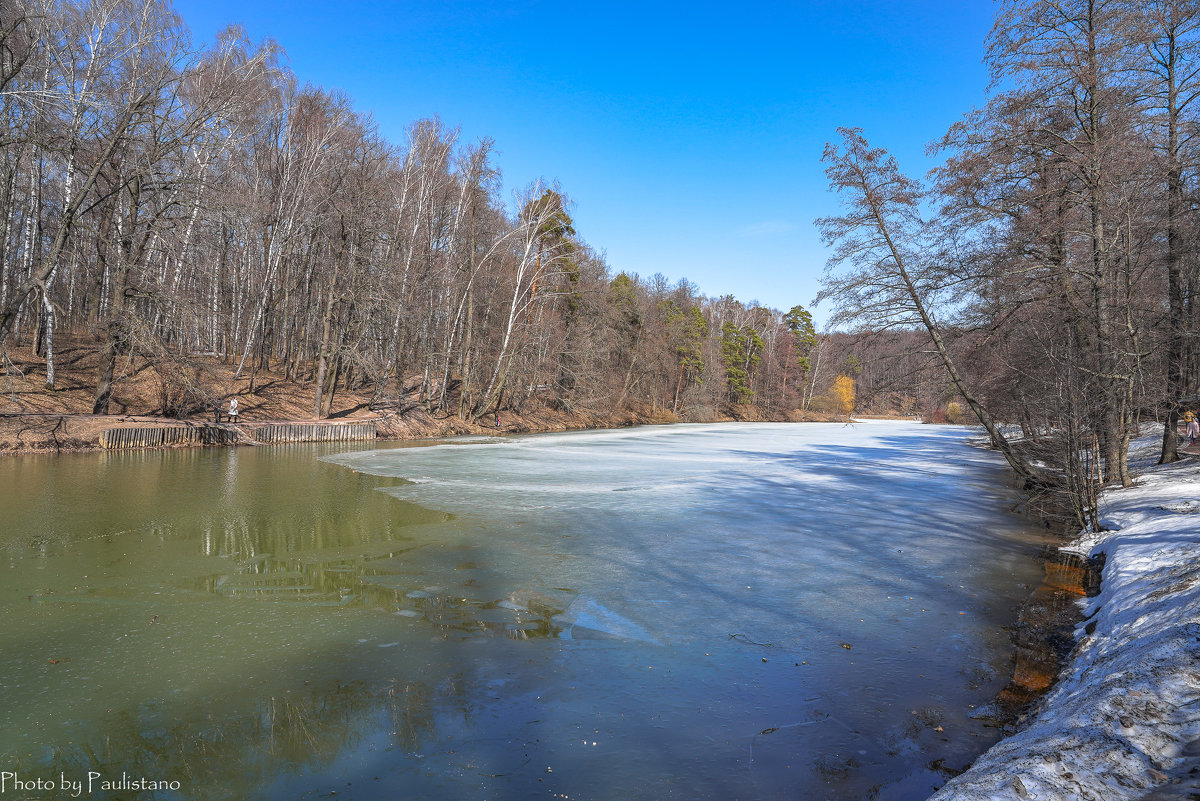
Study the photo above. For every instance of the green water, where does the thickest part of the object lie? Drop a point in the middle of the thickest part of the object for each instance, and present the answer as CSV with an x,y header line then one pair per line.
x,y
267,623
158,608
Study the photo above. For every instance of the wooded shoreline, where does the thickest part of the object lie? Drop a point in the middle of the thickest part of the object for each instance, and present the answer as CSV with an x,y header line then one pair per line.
x,y
26,433
37,419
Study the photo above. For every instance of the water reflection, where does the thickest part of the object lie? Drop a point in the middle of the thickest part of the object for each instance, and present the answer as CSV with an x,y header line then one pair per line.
x,y
382,576
298,731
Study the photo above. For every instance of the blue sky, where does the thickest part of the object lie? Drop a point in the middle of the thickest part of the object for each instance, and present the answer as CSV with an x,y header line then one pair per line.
x,y
689,136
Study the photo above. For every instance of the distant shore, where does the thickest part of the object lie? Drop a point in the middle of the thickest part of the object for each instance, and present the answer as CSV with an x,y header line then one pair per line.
x,y
35,418
31,432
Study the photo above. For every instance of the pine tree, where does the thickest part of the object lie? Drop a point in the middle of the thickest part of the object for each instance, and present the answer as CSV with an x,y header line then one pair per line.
x,y
741,349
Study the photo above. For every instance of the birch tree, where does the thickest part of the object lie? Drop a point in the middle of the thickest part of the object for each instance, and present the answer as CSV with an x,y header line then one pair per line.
x,y
537,254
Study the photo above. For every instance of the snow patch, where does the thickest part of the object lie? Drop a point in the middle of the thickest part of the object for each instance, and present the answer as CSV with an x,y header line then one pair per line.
x,y
1124,716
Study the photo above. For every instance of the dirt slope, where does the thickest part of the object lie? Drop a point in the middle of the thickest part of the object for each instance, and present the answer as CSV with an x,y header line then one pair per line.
x,y
34,418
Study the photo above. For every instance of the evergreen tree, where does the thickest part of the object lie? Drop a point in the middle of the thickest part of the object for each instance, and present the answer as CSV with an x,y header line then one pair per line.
x,y
688,330
804,336
741,349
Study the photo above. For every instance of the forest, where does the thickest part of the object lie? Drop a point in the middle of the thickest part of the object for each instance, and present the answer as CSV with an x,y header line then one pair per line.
x,y
171,202
1051,258
179,203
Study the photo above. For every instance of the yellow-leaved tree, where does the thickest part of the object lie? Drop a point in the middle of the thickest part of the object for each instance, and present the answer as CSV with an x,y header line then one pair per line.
x,y
842,393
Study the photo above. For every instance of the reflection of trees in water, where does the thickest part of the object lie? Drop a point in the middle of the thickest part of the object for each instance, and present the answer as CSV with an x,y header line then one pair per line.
x,y
317,522
235,751
236,505
242,505
410,705
383,576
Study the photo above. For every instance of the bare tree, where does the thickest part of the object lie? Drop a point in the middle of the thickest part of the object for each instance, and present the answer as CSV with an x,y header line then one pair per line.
x,y
896,275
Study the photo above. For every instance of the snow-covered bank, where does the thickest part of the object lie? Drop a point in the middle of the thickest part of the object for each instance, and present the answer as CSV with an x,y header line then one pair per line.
x,y
1124,717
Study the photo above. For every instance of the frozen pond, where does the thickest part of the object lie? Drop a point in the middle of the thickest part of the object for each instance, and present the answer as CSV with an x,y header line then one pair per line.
x,y
747,611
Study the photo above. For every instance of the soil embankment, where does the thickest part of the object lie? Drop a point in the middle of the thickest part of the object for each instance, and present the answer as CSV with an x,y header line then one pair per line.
x,y
1043,635
34,418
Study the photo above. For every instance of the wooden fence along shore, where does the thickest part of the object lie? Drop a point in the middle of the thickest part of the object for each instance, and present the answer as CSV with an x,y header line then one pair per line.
x,y
276,433
165,436
209,434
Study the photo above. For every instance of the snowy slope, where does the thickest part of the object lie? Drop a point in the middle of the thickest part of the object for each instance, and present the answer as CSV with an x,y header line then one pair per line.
x,y
1123,721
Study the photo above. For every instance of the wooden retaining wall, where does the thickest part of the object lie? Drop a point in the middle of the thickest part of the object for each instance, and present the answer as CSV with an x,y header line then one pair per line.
x,y
314,432
164,436
272,433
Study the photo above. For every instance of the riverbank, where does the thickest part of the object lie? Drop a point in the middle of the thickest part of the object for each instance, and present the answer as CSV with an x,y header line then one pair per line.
x,y
1123,719
36,419
26,432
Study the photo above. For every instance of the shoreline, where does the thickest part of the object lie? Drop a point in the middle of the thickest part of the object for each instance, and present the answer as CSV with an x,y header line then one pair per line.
x,y
1042,635
1122,719
26,433
35,418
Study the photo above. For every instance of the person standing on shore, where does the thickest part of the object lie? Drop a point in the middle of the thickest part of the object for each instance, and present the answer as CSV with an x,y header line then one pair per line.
x,y
1193,426
233,410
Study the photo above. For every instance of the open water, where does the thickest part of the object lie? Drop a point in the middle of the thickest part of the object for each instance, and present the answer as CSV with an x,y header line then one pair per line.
x,y
750,611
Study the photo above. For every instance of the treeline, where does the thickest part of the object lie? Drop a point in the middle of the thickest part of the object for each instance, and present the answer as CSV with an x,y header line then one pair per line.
x,y
1051,263
171,202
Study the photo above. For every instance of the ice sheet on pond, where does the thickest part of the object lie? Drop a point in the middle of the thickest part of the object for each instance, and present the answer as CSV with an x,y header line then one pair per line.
x,y
764,530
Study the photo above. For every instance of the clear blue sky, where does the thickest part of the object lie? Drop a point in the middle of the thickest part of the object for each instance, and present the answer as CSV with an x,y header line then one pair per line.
x,y
689,136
